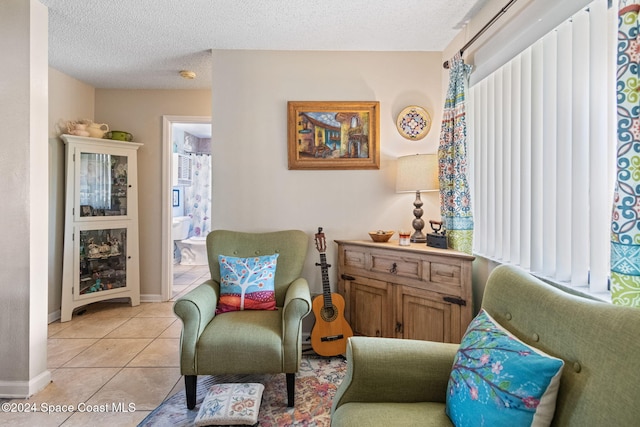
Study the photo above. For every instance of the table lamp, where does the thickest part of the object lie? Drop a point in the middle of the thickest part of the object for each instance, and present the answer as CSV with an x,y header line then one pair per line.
x,y
418,172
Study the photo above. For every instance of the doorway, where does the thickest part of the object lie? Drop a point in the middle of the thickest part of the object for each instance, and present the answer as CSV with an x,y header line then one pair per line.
x,y
186,142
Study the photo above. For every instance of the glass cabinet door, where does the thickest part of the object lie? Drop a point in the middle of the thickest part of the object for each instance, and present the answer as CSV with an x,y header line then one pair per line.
x,y
103,260
103,186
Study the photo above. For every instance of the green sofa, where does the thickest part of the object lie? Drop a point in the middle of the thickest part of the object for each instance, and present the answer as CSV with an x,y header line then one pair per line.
x,y
392,382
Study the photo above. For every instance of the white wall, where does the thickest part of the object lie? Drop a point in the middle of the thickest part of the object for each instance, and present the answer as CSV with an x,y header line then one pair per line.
x,y
252,188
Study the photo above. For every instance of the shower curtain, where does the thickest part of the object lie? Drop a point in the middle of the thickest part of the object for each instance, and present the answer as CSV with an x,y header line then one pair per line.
x,y
455,200
625,223
198,196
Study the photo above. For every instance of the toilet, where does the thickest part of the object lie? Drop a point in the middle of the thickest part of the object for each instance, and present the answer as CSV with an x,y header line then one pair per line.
x,y
179,231
193,251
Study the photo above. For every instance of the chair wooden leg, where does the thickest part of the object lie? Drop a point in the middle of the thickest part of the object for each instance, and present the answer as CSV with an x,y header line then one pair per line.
x,y
291,387
190,382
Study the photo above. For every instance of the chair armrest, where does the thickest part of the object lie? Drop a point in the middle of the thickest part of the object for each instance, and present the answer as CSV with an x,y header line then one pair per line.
x,y
395,370
196,309
297,305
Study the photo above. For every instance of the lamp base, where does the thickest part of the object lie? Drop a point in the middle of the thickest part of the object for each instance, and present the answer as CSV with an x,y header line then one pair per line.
x,y
418,223
418,237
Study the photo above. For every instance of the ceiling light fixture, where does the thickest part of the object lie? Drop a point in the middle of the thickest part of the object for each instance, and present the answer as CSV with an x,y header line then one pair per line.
x,y
186,74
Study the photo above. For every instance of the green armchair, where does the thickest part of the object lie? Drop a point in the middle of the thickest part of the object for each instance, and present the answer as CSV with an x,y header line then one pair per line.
x,y
250,341
394,382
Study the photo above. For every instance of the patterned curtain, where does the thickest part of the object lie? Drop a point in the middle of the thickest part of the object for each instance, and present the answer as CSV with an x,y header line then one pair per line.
x,y
455,201
625,224
198,196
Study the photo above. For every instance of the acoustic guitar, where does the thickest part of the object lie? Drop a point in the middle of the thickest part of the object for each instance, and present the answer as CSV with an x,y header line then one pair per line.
x,y
331,330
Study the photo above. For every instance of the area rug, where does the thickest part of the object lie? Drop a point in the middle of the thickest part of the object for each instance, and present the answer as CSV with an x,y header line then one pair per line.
x,y
316,384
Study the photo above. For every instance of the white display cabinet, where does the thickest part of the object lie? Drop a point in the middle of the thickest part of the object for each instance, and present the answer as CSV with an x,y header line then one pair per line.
x,y
101,223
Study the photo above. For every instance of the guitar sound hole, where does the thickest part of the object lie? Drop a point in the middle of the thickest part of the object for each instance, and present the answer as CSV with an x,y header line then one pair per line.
x,y
329,314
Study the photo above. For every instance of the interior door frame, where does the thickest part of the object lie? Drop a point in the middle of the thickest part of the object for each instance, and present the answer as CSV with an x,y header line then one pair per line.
x,y
167,197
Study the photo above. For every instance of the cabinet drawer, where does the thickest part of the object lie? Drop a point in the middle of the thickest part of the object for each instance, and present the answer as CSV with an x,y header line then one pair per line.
x,y
355,258
448,274
402,267
384,262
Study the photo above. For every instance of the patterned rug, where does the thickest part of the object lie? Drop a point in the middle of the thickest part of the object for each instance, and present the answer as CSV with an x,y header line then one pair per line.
x,y
316,384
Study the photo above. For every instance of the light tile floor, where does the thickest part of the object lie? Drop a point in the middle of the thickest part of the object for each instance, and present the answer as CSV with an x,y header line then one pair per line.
x,y
113,356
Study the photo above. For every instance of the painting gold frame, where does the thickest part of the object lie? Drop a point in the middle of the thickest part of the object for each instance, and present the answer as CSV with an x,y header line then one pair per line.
x,y
333,134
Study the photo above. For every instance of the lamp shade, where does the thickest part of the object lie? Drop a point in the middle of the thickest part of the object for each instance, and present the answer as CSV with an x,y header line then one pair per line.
x,y
418,172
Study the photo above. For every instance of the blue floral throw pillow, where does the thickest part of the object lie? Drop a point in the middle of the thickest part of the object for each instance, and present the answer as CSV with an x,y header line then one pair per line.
x,y
497,380
247,283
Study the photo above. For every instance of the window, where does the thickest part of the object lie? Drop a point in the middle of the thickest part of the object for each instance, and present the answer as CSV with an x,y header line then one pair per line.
x,y
542,148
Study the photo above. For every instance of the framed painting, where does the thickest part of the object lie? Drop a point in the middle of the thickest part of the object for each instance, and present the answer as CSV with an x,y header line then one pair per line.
x,y
333,135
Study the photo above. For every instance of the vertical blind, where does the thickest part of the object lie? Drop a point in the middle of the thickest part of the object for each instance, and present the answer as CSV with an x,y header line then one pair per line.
x,y
542,146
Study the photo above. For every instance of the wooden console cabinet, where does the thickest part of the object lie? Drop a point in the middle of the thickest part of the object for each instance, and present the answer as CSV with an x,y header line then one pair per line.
x,y
415,291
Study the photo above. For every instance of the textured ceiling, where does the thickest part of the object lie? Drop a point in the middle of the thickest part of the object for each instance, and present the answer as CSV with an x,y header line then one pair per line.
x,y
143,44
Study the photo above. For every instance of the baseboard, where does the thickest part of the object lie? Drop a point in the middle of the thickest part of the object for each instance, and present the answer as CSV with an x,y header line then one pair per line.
x,y
52,317
151,298
24,389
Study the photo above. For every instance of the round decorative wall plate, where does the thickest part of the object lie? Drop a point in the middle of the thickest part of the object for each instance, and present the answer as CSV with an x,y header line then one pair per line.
x,y
413,122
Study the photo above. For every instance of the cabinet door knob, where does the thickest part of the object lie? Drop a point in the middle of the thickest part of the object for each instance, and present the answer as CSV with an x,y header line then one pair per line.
x,y
398,327
377,333
394,268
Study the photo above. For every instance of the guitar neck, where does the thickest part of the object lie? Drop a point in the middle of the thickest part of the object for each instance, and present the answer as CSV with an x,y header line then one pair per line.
x,y
326,287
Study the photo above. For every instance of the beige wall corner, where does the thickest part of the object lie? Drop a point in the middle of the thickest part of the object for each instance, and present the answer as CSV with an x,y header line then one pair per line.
x,y
23,256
